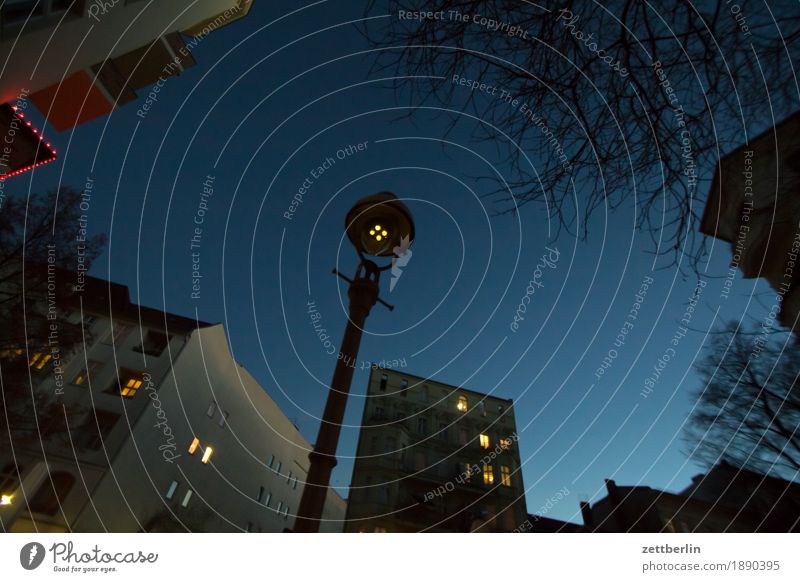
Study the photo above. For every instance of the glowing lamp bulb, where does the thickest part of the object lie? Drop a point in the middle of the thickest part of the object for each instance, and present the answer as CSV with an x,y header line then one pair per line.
x,y
5,499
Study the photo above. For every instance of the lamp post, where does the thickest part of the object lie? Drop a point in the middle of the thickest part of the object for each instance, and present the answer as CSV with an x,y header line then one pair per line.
x,y
375,225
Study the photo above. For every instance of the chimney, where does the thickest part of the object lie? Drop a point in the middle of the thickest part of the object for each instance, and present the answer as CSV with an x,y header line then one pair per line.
x,y
586,512
611,487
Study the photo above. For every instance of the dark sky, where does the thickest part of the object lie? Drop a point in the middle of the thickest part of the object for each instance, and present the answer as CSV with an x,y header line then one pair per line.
x,y
267,103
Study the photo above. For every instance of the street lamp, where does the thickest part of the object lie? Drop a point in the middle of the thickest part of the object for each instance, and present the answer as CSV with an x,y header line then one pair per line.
x,y
375,225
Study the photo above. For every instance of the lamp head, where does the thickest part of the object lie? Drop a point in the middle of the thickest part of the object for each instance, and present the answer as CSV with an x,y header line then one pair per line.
x,y
377,224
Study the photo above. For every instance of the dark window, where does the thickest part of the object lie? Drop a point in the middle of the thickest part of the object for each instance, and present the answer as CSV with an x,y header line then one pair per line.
x,y
384,380
14,11
52,493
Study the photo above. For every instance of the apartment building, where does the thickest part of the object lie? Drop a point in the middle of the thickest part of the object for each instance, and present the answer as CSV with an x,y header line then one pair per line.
x,y
434,457
79,59
162,431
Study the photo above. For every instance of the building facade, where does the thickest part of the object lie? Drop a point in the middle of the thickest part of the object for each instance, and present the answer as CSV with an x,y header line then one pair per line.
x,y
78,59
434,457
726,499
753,206
164,431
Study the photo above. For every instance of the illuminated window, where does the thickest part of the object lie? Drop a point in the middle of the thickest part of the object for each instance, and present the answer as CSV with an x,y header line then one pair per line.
x,y
484,439
505,475
130,385
186,498
172,488
86,374
223,418
462,404
194,445
488,475
39,360
467,471
207,455
505,443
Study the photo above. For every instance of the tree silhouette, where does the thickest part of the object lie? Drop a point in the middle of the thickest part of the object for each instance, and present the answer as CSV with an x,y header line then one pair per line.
x,y
747,410
641,97
39,254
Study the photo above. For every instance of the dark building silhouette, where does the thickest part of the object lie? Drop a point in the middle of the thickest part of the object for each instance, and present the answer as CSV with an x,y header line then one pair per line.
x,y
725,499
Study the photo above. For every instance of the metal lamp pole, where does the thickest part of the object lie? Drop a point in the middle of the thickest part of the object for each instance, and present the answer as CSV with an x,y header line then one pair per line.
x,y
363,291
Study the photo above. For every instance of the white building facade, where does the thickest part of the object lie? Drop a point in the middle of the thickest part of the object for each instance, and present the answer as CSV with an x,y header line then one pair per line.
x,y
166,433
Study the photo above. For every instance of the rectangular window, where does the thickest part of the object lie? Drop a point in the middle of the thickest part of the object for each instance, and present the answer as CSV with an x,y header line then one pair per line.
x,y
419,461
279,507
278,468
85,375
463,436
194,445
422,425
286,513
294,483
172,488
404,387
505,475
488,475
120,333
425,394
106,421
207,455
267,499
154,343
384,381
288,476
462,404
390,445
271,460
443,431
186,498
223,418
212,409
505,444
129,383
39,360
261,493
467,471
484,441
